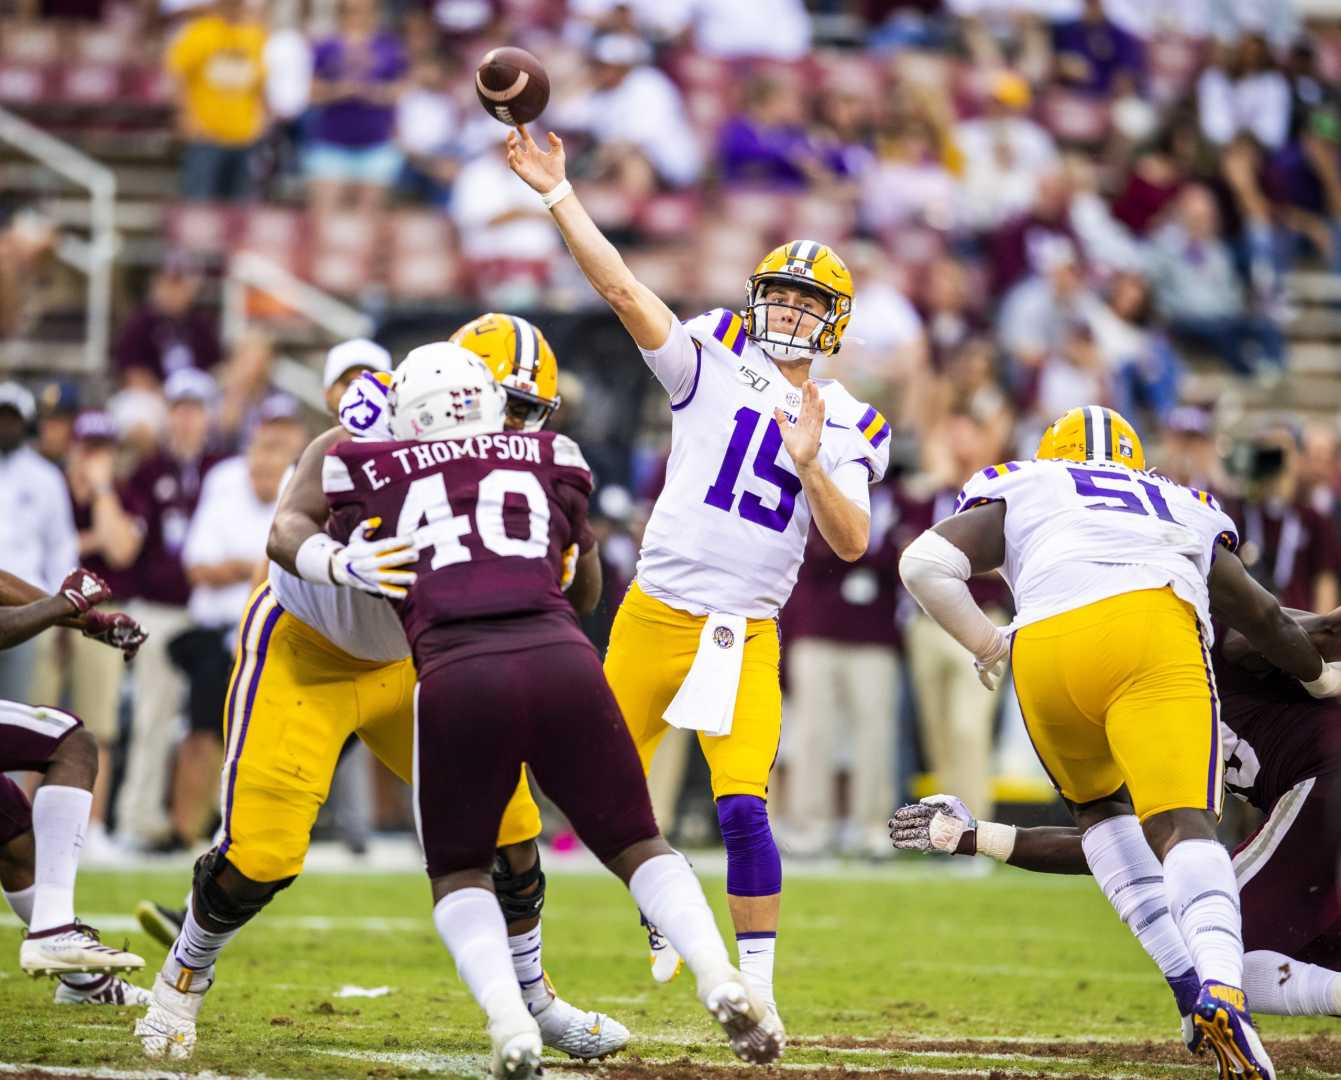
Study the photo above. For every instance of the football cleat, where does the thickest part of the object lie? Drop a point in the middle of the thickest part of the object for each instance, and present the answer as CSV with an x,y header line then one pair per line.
x,y
163,924
666,962
517,1048
772,1023
743,1017
74,947
168,1029
1226,1025
109,990
582,1035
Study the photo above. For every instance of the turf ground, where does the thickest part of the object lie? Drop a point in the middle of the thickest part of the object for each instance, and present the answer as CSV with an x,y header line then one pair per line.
x,y
909,972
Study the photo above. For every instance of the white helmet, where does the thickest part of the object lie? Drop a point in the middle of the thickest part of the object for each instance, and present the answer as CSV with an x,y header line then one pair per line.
x,y
442,391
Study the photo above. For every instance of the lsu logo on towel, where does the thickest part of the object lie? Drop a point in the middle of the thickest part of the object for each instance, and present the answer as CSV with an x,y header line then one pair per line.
x,y
723,638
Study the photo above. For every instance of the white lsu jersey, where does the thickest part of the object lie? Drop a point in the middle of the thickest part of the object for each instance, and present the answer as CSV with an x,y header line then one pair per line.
x,y
1081,531
363,625
728,531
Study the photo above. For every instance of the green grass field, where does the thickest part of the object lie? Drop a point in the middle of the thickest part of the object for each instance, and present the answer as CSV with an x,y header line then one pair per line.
x,y
907,973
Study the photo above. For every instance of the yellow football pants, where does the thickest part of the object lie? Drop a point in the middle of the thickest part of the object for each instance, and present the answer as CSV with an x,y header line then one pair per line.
x,y
652,646
293,700
1121,691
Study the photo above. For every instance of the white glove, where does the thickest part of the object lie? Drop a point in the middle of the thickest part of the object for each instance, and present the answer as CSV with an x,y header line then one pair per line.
x,y
937,823
1328,684
371,565
992,664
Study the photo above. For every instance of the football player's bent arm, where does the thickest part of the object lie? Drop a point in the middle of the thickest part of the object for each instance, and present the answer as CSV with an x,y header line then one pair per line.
x,y
642,312
302,508
585,591
15,592
18,624
935,569
845,526
1243,604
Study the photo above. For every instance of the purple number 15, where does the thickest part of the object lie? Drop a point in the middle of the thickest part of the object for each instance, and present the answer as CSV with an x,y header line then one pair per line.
x,y
722,494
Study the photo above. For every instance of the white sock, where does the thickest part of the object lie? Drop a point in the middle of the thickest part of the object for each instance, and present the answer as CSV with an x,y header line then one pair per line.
x,y
529,969
22,903
756,951
1275,984
1131,877
472,927
1204,900
60,816
189,965
669,895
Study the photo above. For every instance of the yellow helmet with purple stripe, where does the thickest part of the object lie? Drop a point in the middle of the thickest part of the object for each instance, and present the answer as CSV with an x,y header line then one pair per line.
x,y
522,361
1093,433
807,264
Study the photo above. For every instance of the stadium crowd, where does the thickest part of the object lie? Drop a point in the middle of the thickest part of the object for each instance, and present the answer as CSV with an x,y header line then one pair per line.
x,y
1043,203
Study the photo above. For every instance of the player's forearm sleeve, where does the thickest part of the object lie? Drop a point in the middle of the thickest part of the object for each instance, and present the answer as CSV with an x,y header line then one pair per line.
x,y
936,573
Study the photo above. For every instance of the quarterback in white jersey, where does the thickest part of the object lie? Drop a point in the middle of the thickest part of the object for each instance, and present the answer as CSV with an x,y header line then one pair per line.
x,y
758,451
323,656
1116,573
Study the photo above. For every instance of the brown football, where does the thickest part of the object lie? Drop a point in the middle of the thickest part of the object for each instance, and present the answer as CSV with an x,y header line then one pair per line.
x,y
512,85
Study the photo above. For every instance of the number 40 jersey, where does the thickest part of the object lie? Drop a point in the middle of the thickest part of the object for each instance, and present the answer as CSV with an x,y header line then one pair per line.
x,y
728,531
1078,532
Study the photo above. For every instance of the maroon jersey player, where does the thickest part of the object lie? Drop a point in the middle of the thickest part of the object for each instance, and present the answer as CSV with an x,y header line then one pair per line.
x,y
506,677
1282,750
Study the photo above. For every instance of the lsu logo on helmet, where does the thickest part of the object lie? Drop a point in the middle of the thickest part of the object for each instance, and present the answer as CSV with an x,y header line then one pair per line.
x,y
520,359
1093,433
809,264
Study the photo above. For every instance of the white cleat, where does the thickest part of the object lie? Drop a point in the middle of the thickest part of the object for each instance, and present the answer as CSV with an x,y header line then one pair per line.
x,y
666,962
168,1029
772,1023
582,1035
74,948
109,990
744,1018
517,1048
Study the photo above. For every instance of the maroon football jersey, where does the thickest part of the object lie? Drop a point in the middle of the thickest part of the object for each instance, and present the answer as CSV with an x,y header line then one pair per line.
x,y
1281,735
492,516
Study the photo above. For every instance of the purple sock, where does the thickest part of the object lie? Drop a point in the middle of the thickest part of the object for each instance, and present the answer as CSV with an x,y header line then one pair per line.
x,y
753,866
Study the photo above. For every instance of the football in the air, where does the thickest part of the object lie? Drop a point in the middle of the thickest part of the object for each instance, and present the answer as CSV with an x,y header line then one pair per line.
x,y
512,85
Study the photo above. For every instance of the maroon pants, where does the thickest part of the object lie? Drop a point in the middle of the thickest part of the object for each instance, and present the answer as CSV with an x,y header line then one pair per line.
x,y
29,734
1289,878
478,719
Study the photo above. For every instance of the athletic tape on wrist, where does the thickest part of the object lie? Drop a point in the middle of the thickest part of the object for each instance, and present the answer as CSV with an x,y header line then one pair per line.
x,y
313,560
996,840
562,191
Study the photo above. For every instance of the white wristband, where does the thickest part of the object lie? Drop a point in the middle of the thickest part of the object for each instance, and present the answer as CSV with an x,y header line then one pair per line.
x,y
1328,684
550,198
996,840
313,560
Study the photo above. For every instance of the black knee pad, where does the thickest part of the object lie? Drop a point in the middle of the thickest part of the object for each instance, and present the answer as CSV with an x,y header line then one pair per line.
x,y
508,886
229,909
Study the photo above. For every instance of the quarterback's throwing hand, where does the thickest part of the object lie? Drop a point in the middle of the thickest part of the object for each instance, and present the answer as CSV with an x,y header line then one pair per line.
x,y
802,439
116,629
84,590
374,566
542,170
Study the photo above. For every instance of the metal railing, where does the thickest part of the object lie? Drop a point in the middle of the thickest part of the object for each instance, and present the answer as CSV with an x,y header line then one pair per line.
x,y
95,256
248,270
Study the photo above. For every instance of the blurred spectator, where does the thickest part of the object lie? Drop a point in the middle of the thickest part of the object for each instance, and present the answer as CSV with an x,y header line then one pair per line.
x,y
169,332
1004,154
218,62
1187,453
37,533
71,667
345,363
1019,247
358,75
225,546
636,116
1038,315
57,407
163,493
777,29
25,243
1247,94
768,142
1144,368
1070,372
843,676
655,20
1199,291
1277,21
968,387
1284,542
1090,52
1155,177
844,131
948,310
244,388
909,183
1320,470
427,123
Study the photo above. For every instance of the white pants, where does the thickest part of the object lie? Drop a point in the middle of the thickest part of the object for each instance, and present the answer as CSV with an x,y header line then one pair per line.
x,y
954,712
849,692
159,699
